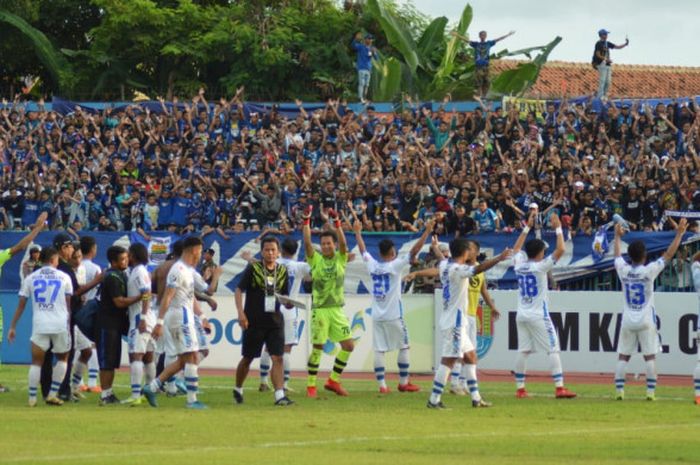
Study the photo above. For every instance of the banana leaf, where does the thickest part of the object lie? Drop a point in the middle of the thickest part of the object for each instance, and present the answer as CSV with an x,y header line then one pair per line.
x,y
396,33
447,64
390,77
55,63
518,80
431,38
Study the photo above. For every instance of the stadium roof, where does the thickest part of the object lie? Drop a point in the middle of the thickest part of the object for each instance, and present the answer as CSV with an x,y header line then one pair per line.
x,y
629,81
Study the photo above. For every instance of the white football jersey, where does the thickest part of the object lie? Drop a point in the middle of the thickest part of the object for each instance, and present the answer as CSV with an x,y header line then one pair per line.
x,y
533,301
91,270
181,278
638,290
81,275
695,268
386,286
139,282
297,272
47,288
455,293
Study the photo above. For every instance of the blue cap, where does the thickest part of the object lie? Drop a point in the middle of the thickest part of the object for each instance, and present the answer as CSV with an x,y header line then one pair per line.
x,y
369,36
603,32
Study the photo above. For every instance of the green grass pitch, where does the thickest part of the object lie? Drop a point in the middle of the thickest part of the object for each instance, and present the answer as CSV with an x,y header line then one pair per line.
x,y
361,429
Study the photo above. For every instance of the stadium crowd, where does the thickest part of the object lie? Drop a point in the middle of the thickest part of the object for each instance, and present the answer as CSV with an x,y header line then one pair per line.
x,y
196,166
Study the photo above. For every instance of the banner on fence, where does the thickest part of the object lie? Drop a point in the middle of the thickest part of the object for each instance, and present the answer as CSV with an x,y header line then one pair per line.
x,y
576,261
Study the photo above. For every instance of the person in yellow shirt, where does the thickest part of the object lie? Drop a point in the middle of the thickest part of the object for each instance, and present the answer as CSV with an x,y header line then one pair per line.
x,y
10,252
463,379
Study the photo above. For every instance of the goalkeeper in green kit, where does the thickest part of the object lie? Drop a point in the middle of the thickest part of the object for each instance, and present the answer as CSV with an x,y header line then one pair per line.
x,y
328,321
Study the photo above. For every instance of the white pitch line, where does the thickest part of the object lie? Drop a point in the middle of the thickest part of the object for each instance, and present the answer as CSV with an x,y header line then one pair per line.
x,y
347,440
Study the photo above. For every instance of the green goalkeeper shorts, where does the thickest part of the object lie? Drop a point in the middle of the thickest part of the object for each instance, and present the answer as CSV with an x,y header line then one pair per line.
x,y
329,323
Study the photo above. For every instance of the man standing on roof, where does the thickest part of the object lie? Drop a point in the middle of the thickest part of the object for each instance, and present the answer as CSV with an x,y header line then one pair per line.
x,y
482,52
365,52
602,62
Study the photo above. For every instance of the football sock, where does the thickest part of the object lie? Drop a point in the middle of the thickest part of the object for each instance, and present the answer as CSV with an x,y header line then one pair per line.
x,y
651,376
279,394
106,393
34,376
149,372
441,375
469,371
93,369
59,372
341,360
77,377
620,373
191,381
555,367
265,363
156,384
454,374
379,370
313,364
136,377
520,364
287,368
696,376
403,362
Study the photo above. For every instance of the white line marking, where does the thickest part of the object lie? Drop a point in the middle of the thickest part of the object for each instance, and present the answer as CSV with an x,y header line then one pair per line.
x,y
349,440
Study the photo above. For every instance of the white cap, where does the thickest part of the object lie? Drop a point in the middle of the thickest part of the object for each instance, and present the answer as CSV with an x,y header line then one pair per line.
x,y
534,205
579,184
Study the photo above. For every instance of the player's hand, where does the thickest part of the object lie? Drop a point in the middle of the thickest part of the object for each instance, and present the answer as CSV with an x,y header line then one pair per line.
x,y
496,314
142,326
682,226
41,219
531,219
332,214
243,321
307,212
206,326
506,254
11,335
409,277
357,226
554,220
213,304
157,331
619,230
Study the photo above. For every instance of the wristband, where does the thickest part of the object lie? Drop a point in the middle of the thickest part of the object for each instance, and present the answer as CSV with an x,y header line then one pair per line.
x,y
336,223
160,321
526,229
307,221
559,231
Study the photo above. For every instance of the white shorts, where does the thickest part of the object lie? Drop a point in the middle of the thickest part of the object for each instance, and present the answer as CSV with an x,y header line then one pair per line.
x,y
455,342
201,335
538,334
181,323
471,329
164,344
647,339
390,335
697,340
291,325
81,341
61,342
140,343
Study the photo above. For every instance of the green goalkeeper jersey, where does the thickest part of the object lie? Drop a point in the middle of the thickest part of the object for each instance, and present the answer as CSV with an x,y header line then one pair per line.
x,y
328,278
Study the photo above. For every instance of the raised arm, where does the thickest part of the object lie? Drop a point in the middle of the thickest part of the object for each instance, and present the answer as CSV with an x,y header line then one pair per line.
x,y
26,240
619,231
556,224
488,264
306,230
526,230
342,241
357,227
415,250
671,251
504,36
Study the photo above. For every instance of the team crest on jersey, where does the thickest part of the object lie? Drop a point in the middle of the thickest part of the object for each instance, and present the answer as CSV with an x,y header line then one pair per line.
x,y
484,330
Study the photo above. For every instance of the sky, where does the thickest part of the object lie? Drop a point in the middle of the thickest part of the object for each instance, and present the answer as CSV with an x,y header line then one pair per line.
x,y
660,32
